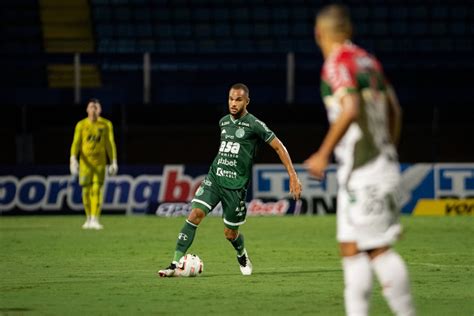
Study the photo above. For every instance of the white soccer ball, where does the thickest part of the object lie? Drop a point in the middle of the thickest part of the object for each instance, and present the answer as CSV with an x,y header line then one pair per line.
x,y
190,266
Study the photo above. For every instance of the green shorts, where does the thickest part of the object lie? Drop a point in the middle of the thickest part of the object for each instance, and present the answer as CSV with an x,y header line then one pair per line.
x,y
209,194
89,174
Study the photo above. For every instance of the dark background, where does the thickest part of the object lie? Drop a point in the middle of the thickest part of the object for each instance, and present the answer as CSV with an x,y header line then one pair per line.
x,y
199,48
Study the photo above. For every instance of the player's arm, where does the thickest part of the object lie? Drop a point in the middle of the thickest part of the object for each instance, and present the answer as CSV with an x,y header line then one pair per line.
x,y
111,149
394,115
317,162
75,148
295,184
110,143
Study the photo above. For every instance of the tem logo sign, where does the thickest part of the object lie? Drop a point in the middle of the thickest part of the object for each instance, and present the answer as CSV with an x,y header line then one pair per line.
x,y
455,181
318,197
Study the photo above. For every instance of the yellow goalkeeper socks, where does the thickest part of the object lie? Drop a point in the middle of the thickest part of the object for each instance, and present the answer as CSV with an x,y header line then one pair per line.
x,y
96,200
86,200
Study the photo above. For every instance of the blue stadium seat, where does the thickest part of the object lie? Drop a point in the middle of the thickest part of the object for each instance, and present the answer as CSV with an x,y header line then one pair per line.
x,y
279,14
202,15
221,30
144,30
419,12
163,30
261,30
104,30
221,14
260,14
182,14
142,14
122,13
242,30
203,30
182,31
161,14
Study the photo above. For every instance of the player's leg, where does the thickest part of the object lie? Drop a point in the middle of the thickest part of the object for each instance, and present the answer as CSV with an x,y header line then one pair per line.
x,y
203,202
98,177
188,231
86,201
96,205
235,213
392,274
85,180
358,278
378,228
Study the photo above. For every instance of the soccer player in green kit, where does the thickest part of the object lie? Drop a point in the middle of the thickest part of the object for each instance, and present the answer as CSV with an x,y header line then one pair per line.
x,y
228,178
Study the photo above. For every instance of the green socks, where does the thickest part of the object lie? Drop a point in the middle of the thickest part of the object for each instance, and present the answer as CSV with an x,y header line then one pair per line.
x,y
238,244
185,239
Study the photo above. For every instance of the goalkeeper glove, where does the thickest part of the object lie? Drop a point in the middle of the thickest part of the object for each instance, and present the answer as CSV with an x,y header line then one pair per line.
x,y
73,165
113,168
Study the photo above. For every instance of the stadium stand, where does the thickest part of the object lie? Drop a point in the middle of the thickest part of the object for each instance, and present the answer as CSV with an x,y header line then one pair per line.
x,y
200,47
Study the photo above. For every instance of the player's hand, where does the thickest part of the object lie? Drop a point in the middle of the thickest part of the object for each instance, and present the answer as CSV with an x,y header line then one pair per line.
x,y
316,164
113,168
73,166
295,187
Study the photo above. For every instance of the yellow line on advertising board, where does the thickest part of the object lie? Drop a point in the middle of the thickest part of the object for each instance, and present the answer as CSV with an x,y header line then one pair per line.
x,y
444,207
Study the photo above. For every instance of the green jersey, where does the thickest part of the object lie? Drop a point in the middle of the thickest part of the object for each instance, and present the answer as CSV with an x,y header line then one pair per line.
x,y
240,138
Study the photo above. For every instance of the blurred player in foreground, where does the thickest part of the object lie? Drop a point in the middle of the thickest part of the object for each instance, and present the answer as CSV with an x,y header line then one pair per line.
x,y
364,116
93,142
228,178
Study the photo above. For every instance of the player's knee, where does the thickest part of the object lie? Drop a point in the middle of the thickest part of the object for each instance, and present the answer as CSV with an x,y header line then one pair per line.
x,y
231,234
196,216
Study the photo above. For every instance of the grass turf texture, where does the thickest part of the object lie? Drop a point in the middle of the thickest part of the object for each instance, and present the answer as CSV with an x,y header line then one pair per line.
x,y
50,266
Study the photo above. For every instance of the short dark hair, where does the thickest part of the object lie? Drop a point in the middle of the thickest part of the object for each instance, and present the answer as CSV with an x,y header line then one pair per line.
x,y
340,15
93,100
238,86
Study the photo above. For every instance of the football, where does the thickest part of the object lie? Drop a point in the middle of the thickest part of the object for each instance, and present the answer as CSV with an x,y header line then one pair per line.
x,y
190,266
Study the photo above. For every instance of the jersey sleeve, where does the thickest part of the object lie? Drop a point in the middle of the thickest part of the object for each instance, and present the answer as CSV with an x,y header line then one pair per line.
x,y
76,142
110,142
342,78
262,130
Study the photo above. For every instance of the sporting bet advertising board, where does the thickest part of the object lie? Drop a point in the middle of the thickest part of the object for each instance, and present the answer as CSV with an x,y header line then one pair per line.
x,y
427,189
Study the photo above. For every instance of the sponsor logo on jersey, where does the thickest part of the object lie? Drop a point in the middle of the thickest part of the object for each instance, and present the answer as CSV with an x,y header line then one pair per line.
x,y
229,149
244,124
226,162
226,173
200,191
225,123
263,125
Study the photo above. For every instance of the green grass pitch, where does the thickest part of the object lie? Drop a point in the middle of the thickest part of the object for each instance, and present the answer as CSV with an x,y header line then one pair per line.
x,y
50,266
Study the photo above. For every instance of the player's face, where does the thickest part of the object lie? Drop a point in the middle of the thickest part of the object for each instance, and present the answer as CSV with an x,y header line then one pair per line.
x,y
93,110
238,101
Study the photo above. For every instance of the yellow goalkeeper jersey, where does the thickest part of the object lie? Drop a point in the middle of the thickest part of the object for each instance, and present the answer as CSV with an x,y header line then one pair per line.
x,y
94,141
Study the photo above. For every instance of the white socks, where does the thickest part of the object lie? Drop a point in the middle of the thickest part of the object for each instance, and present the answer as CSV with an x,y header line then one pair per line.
x,y
393,277
392,273
358,281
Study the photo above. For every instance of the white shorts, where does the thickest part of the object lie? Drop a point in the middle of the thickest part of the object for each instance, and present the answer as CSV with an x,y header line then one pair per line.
x,y
367,207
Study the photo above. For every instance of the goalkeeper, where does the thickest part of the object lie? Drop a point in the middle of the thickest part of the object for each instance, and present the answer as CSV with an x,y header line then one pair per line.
x,y
93,143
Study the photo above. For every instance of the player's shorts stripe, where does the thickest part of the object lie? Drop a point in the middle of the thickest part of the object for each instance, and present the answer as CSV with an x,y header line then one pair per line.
x,y
192,224
203,203
234,224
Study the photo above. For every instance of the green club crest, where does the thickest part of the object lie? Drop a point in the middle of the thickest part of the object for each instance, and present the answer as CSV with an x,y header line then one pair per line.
x,y
199,191
239,133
